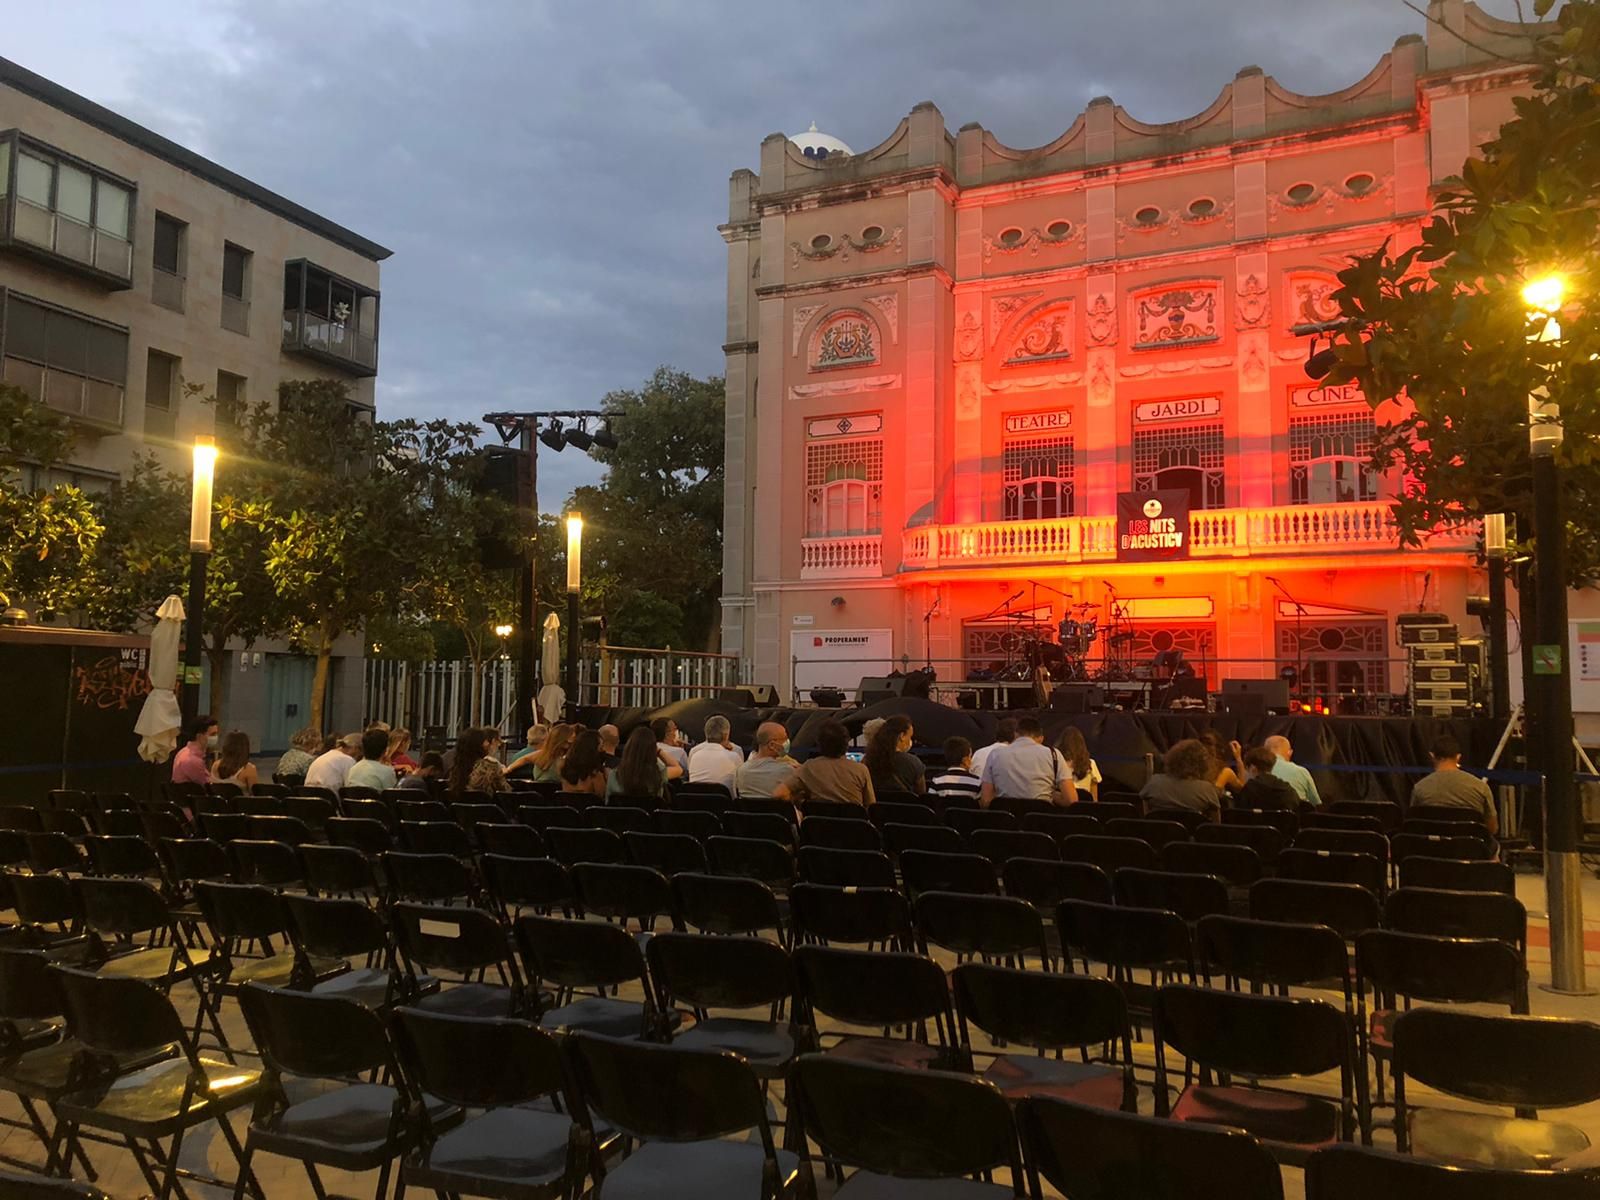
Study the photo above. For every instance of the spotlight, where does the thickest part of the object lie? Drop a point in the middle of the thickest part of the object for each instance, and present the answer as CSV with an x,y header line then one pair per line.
x,y
552,436
604,438
579,437
1321,361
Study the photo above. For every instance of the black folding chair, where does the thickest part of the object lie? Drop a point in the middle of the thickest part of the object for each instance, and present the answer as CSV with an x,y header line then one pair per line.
x,y
436,837
889,812
1127,941
668,853
1155,831
1109,853
589,957
1348,841
940,839
242,915
825,915
926,871
540,884
1385,812
621,892
1273,954
359,1126
324,928
372,838
1522,1063
1347,908
840,833
1343,1171
1458,914
1236,866
1343,822
685,1150
881,991
1045,883
120,1020
1000,846
437,878
1049,1014
339,871
1093,1152
966,820
467,942
696,823
774,827
1335,866
834,810
1266,841
846,868
1458,875
1002,928
268,863
1231,1035
1465,847
901,1128
753,858
510,838
727,904
1062,825
523,1144
621,820
1190,896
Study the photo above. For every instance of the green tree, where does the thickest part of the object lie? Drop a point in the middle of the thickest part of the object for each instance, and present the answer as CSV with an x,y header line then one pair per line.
x,y
1443,327
46,537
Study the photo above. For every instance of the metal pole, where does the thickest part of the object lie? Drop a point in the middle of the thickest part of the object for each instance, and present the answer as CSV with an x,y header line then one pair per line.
x,y
192,633
1499,660
1553,683
574,645
527,631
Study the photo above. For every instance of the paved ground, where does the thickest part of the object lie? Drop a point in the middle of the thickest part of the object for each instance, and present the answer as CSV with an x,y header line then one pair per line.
x,y
284,1180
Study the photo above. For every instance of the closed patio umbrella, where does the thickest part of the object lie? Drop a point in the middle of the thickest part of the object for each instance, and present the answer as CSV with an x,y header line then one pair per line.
x,y
160,718
552,698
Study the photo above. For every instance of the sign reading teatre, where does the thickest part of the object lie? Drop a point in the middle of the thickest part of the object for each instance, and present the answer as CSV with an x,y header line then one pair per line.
x,y
1153,526
1342,395
1038,422
1178,410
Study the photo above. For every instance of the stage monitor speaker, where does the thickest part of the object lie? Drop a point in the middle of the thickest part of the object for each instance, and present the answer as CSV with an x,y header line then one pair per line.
x,y
1077,697
1274,694
764,694
1187,689
874,688
743,697
1243,704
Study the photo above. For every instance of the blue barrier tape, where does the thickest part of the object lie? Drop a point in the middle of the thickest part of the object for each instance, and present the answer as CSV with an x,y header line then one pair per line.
x,y
55,768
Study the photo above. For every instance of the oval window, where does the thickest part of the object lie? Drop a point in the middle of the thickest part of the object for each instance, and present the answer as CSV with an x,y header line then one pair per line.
x,y
1205,206
1301,193
1058,229
821,242
872,233
1148,215
1010,237
1359,183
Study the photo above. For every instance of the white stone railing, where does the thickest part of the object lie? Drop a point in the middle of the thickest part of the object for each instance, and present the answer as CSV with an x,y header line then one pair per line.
x,y
858,556
1213,533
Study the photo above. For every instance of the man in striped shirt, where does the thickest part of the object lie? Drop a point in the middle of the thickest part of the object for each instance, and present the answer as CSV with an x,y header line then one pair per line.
x,y
956,784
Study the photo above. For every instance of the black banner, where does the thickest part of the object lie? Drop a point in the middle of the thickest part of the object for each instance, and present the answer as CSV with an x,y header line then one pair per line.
x,y
1153,526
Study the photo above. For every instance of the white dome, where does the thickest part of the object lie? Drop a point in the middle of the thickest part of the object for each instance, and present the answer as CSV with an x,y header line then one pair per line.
x,y
815,144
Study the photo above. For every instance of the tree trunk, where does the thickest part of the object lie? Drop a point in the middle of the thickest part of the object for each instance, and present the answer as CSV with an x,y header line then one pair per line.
x,y
319,682
475,706
217,653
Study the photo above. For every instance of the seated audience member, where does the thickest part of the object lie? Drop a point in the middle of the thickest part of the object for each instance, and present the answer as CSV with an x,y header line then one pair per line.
x,y
189,764
671,742
1005,732
429,768
372,771
1083,773
829,775
331,768
534,742
472,744
1185,782
488,775
1224,758
645,767
716,760
584,770
769,771
233,763
544,764
610,739
1451,787
1026,769
956,785
331,742
1292,772
398,753
890,762
303,749
1263,789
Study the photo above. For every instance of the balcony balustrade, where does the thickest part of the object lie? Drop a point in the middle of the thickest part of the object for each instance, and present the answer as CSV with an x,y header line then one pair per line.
x,y
853,557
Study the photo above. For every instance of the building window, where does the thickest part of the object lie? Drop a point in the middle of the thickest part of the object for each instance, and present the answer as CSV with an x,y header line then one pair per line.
x,y
1340,659
231,399
167,262
74,365
1330,459
162,376
1037,479
71,210
236,288
44,479
328,318
844,487
1183,457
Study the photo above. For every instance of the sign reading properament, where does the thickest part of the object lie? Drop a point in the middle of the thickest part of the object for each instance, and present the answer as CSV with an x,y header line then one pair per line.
x,y
1153,526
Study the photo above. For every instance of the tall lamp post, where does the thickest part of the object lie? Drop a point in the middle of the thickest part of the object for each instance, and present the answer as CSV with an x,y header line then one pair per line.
x,y
1494,549
574,624
205,466
1552,672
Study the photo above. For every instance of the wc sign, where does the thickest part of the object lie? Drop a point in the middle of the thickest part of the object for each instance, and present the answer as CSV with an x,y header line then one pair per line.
x,y
1153,526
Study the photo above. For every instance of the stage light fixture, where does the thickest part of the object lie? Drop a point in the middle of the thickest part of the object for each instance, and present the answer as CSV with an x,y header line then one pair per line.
x,y
1320,362
551,435
508,431
579,437
604,438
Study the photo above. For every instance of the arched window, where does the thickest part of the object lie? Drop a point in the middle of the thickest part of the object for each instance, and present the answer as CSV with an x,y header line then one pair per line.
x,y
1037,479
844,487
1184,458
1330,459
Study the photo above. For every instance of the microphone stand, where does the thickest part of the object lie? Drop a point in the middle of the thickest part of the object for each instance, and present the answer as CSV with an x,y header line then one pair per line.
x,y
927,632
1299,646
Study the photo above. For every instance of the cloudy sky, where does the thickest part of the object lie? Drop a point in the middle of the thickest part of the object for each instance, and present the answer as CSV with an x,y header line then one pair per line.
x,y
550,173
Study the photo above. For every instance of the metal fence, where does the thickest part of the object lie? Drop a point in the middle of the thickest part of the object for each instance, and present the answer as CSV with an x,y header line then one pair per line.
x,y
636,677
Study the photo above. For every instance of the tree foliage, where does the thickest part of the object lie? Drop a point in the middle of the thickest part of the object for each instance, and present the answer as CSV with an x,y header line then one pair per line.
x,y
46,537
1441,325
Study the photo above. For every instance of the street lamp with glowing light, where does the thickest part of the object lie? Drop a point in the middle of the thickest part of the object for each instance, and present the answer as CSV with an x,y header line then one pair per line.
x,y
205,468
574,625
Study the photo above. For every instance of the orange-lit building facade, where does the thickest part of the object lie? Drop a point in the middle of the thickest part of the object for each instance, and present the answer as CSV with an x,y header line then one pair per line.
x,y
946,357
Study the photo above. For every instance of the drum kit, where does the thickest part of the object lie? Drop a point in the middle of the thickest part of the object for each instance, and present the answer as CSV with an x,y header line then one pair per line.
x,y
1031,654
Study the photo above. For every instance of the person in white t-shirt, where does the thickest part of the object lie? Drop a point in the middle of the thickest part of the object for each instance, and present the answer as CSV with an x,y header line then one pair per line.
x,y
329,770
1084,774
1005,732
716,760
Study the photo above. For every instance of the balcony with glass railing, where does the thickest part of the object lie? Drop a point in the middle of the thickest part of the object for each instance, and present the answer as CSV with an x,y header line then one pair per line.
x,y
330,319
1293,529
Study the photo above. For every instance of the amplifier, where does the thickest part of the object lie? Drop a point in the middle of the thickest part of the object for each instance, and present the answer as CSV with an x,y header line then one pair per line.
x,y
1432,708
1440,693
1430,673
1420,618
1417,635
1433,652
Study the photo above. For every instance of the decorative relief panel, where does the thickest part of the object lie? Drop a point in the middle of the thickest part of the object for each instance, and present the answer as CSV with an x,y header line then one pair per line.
x,y
1056,235
1254,304
1308,297
969,337
823,247
1101,320
845,339
802,317
1183,314
1044,336
1001,309
888,306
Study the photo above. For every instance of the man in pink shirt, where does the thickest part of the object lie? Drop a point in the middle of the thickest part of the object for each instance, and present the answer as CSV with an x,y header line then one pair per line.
x,y
190,764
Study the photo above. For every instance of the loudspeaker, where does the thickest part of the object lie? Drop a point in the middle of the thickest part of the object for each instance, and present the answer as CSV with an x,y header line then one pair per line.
x,y
874,688
1243,704
740,696
506,477
753,695
1189,687
1274,694
1077,697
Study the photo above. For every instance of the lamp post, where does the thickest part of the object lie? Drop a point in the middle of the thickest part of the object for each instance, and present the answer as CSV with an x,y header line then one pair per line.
x,y
1494,549
1552,672
205,466
574,625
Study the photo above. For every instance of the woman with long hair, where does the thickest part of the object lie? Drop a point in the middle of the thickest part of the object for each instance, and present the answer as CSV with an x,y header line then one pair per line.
x,y
1185,782
1227,779
545,763
889,759
829,775
233,761
644,769
1085,775
396,756
488,776
472,743
584,768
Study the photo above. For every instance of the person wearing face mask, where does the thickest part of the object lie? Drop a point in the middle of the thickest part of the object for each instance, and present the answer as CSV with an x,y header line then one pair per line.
x,y
189,766
769,772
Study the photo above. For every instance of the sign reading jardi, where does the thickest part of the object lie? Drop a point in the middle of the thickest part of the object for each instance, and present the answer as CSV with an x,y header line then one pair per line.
x,y
1152,526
